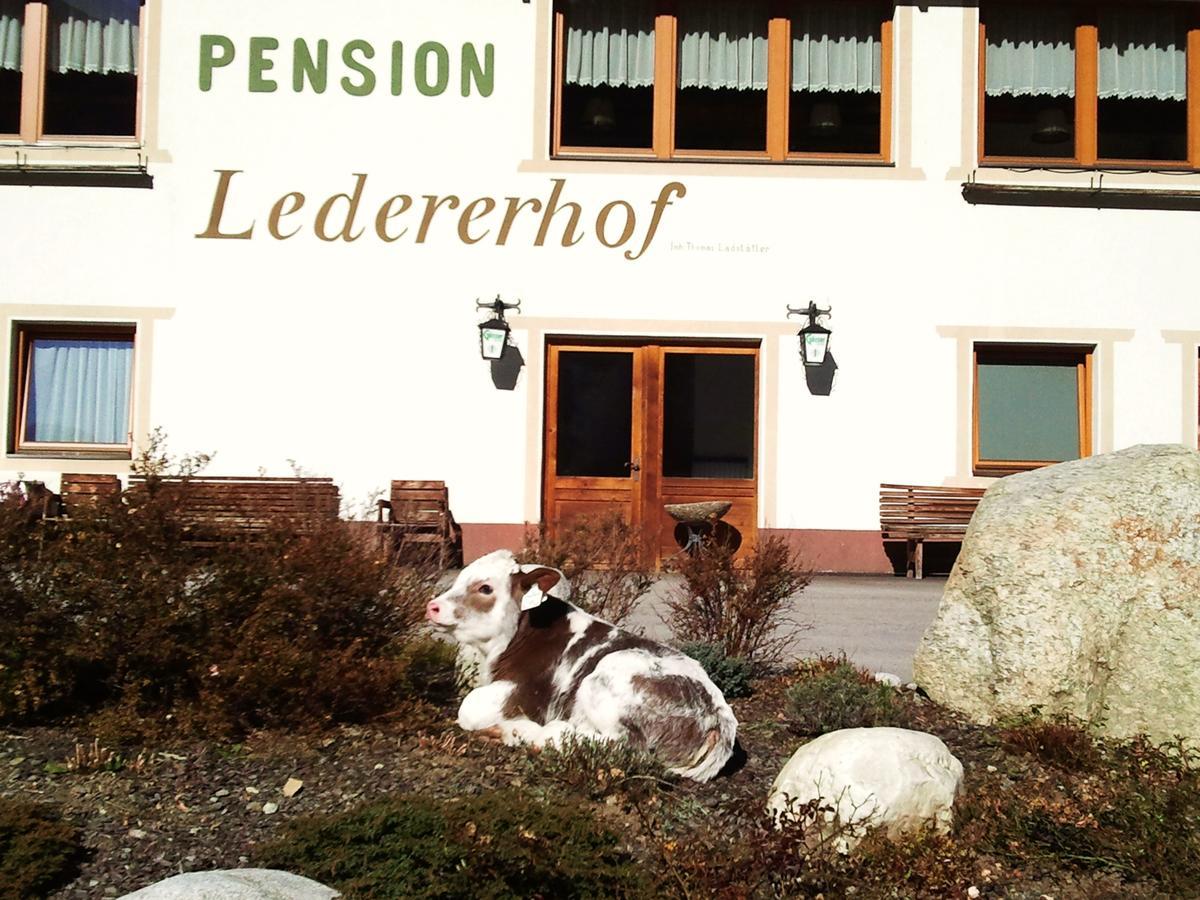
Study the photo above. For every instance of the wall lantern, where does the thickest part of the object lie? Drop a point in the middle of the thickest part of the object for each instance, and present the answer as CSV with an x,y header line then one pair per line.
x,y
493,334
814,337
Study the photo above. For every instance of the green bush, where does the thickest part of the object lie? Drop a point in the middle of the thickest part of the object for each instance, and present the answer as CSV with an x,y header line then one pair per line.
x,y
731,674
1140,819
742,605
38,851
831,694
599,769
498,845
115,611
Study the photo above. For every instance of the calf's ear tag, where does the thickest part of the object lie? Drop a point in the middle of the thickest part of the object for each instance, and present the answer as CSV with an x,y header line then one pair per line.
x,y
535,596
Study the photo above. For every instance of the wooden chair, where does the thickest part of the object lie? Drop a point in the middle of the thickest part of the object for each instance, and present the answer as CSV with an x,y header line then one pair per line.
x,y
416,518
916,514
79,491
216,509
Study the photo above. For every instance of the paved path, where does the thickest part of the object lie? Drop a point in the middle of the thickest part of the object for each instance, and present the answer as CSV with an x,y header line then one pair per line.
x,y
876,621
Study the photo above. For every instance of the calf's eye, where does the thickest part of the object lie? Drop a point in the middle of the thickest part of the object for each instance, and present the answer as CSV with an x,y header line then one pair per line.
x,y
485,589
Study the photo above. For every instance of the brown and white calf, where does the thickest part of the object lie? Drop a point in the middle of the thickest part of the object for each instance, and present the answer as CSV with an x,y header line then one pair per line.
x,y
551,670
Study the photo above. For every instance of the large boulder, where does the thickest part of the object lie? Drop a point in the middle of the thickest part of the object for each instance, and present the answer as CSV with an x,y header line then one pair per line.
x,y
1078,591
863,778
235,884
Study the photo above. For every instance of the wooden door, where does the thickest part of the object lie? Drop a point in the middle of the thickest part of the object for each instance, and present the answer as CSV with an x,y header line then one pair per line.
x,y
633,426
595,408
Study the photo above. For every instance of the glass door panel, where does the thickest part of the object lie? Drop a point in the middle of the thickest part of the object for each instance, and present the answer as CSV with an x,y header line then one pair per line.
x,y
595,414
708,415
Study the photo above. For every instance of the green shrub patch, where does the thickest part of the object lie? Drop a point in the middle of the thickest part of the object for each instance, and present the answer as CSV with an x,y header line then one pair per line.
x,y
499,845
831,694
39,852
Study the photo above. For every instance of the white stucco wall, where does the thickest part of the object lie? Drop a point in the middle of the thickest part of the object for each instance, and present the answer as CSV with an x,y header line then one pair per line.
x,y
359,360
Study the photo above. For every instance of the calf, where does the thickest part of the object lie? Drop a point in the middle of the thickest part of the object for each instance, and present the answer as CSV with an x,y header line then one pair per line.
x,y
550,670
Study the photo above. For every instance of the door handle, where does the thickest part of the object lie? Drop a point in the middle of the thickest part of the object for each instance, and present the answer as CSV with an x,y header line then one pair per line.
x,y
633,466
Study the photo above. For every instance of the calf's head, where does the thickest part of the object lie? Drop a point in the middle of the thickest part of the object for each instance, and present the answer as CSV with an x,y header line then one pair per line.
x,y
484,603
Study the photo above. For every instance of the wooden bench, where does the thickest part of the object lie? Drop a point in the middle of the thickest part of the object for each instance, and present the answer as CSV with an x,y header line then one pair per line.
x,y
216,509
416,517
916,514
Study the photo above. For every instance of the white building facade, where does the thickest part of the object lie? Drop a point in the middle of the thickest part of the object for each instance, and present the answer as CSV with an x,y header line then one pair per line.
x,y
264,229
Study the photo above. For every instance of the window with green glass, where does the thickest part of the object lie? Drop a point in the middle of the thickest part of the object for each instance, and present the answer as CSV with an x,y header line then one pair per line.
x,y
1032,406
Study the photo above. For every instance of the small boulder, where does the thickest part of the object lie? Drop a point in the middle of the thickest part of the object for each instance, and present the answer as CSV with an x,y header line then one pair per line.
x,y
863,778
235,884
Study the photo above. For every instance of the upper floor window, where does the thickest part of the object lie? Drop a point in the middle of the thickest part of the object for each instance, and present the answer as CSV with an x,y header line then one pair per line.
x,y
1088,85
796,79
73,387
69,69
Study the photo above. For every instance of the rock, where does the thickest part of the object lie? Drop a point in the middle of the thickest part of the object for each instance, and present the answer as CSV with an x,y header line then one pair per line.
x,y
1078,591
866,777
889,679
235,884
293,787
269,809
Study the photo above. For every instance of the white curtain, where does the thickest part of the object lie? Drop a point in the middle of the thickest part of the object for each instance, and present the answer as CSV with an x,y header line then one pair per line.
x,y
1030,52
79,391
12,16
610,42
723,45
94,36
1143,55
836,47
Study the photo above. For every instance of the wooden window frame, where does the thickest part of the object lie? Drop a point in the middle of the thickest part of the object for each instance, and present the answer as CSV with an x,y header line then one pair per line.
x,y
1032,354
24,334
779,66
1087,80
34,45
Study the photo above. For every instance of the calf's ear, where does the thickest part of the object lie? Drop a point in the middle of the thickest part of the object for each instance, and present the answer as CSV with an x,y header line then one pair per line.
x,y
544,578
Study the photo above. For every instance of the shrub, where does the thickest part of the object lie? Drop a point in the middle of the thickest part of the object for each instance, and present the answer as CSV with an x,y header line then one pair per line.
x,y
599,769
115,610
1059,741
832,694
1140,820
742,608
39,852
602,556
500,844
730,674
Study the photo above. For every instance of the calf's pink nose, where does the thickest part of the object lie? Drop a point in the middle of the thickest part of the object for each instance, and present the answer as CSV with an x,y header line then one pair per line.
x,y
432,609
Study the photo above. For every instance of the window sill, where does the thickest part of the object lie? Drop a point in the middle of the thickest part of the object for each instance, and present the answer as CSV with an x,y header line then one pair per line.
x,y
1077,197
70,454
699,158
74,165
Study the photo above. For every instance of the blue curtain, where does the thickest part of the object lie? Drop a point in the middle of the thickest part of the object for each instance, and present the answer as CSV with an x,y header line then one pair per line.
x,y
1030,52
836,47
12,18
723,45
79,391
610,43
94,36
1143,55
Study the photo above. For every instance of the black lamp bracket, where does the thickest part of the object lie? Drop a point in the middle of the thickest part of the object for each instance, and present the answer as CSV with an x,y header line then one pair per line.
x,y
812,311
498,306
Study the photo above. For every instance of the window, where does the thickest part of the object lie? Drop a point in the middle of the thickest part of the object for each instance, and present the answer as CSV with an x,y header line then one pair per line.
x,y
758,80
73,387
1087,84
1032,406
69,69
